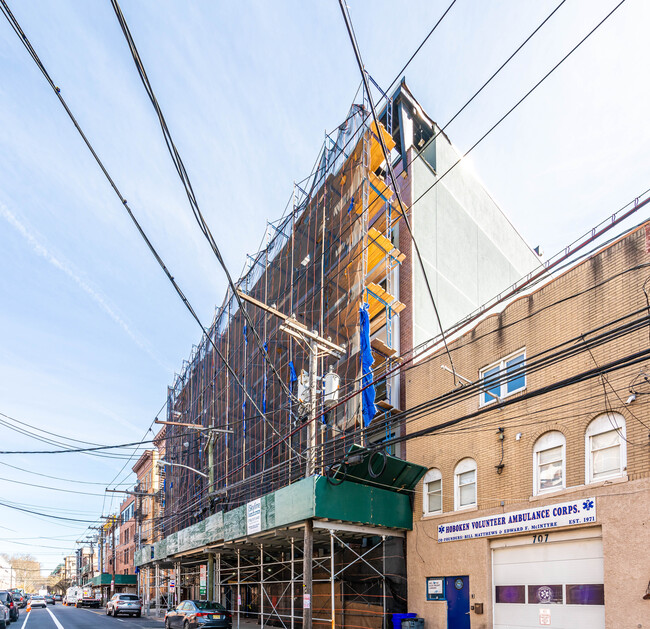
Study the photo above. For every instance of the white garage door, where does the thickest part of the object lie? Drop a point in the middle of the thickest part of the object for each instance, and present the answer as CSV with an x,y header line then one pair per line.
x,y
548,579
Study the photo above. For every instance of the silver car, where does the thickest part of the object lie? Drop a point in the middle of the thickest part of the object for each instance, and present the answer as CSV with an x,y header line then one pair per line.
x,y
124,604
4,616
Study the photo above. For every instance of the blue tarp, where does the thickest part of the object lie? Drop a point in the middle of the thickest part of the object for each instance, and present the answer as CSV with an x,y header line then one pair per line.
x,y
292,373
266,351
368,394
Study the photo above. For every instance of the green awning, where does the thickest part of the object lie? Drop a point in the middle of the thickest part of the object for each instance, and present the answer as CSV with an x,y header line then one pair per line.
x,y
379,469
384,501
120,579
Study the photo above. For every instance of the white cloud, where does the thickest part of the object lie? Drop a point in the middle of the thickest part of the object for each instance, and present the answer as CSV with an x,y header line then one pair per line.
x,y
65,267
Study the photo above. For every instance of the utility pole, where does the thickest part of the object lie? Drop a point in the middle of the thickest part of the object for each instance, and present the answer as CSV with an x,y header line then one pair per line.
x,y
114,558
100,546
317,346
310,470
113,521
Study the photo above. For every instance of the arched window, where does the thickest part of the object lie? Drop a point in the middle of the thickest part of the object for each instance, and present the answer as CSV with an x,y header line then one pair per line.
x,y
549,463
432,494
465,484
605,455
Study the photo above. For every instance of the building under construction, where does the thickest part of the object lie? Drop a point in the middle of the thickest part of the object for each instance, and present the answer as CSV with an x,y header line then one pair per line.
x,y
291,412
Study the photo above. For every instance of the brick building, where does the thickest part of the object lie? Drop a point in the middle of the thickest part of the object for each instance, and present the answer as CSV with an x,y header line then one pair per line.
x,y
147,472
126,548
342,249
536,505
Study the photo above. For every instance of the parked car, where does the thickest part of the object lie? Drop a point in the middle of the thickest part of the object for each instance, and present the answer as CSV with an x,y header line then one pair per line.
x,y
38,601
4,616
124,604
49,599
19,598
6,598
193,614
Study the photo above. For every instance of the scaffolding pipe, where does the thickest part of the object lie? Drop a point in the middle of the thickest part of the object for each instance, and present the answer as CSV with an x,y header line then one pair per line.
x,y
238,587
157,596
210,575
262,585
383,580
218,578
293,593
332,568
307,580
178,592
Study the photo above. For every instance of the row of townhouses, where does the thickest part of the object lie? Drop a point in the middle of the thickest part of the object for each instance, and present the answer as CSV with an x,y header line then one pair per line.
x,y
328,458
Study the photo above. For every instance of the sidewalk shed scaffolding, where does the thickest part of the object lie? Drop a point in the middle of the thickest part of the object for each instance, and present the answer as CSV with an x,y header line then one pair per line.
x,y
250,559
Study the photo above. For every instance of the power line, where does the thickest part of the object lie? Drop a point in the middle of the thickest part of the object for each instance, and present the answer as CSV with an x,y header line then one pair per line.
x,y
627,361
492,77
418,154
67,491
516,105
364,77
25,41
44,515
67,480
440,399
414,351
424,41
93,449
185,180
42,430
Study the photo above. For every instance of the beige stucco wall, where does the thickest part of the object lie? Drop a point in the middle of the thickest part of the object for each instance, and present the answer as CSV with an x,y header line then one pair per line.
x,y
623,515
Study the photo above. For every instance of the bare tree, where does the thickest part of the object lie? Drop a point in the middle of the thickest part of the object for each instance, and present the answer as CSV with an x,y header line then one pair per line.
x,y
26,572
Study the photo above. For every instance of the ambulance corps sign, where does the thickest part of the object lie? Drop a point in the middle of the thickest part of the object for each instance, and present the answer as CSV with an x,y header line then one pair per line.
x,y
581,511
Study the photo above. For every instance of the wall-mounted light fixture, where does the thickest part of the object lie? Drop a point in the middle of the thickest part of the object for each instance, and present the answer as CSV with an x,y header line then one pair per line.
x,y
501,435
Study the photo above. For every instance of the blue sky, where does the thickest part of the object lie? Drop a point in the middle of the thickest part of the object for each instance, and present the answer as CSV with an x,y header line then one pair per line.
x,y
90,330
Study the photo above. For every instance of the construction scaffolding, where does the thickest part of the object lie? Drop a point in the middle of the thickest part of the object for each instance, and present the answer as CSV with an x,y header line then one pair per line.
x,y
333,251
357,575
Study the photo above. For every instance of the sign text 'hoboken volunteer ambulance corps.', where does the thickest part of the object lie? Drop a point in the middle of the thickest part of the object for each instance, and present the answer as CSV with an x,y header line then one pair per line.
x,y
581,511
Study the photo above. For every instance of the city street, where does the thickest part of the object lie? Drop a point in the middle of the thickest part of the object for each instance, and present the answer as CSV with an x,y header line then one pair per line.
x,y
61,617
324,315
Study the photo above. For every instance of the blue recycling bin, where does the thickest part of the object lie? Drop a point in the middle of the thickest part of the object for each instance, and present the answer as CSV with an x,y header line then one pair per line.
x,y
397,619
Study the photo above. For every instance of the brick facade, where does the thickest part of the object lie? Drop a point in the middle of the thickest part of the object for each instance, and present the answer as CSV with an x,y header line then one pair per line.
x,y
597,295
125,550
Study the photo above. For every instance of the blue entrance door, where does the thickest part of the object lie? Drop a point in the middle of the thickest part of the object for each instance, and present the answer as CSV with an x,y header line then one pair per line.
x,y
457,595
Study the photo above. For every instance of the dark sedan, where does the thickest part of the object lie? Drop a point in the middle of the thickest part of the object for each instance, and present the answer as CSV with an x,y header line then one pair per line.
x,y
49,599
194,614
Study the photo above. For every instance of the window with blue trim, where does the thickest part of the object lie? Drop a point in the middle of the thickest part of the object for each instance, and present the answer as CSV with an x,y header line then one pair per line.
x,y
503,378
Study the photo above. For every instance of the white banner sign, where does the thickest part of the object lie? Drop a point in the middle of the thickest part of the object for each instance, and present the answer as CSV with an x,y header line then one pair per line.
x,y
254,516
581,511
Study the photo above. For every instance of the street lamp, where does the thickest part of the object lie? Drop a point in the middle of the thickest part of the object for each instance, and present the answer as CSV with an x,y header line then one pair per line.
x,y
187,467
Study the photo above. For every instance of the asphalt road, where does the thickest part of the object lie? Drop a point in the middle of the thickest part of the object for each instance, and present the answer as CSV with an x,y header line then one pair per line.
x,y
61,617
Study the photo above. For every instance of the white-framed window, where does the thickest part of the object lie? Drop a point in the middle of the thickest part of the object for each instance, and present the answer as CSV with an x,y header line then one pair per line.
x,y
605,451
432,494
503,378
465,484
549,463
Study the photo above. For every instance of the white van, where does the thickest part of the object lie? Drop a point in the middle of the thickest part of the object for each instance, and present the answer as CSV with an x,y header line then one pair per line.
x,y
72,595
